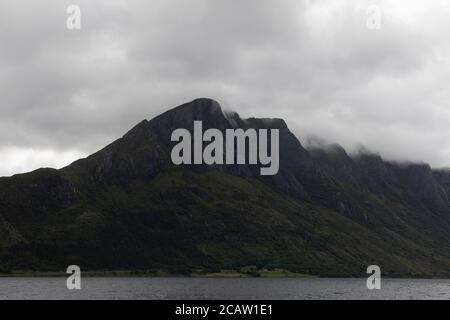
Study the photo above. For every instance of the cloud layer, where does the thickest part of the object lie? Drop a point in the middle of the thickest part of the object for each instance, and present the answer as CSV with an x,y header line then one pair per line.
x,y
66,94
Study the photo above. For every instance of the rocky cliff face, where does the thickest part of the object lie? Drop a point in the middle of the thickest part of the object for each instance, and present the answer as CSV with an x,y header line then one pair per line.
x,y
324,212
145,150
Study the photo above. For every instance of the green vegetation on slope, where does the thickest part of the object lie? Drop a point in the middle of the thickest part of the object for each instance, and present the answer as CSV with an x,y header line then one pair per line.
x,y
182,220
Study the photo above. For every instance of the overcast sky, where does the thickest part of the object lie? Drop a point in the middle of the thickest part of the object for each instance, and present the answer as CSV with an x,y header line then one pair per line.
x,y
67,93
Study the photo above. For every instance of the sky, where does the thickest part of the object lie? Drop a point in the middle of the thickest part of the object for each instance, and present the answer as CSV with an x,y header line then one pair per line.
x,y
353,72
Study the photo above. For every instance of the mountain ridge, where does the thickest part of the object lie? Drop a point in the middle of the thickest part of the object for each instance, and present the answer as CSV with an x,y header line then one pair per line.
x,y
128,207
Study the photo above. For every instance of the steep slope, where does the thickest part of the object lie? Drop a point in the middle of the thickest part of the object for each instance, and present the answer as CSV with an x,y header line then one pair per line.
x,y
128,207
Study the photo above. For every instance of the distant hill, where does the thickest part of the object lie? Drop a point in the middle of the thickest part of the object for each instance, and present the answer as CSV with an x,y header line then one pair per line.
x,y
128,207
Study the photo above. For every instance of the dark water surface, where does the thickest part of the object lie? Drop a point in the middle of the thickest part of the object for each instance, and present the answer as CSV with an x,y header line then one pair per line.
x,y
222,288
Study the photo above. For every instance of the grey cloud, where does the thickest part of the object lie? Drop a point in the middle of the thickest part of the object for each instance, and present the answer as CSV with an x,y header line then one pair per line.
x,y
316,65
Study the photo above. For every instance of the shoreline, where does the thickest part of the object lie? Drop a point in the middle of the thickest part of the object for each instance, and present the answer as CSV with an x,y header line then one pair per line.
x,y
160,273
151,274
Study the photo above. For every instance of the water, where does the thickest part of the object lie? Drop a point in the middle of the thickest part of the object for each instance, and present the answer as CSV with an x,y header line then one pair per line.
x,y
222,288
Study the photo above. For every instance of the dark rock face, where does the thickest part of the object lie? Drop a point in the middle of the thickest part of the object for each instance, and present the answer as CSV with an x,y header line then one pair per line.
x,y
443,179
324,212
9,236
421,182
145,150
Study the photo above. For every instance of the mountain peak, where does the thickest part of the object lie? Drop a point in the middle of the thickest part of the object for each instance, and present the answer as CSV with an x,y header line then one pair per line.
x,y
198,106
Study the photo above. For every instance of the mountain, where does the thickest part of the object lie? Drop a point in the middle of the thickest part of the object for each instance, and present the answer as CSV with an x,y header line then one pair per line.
x,y
324,213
